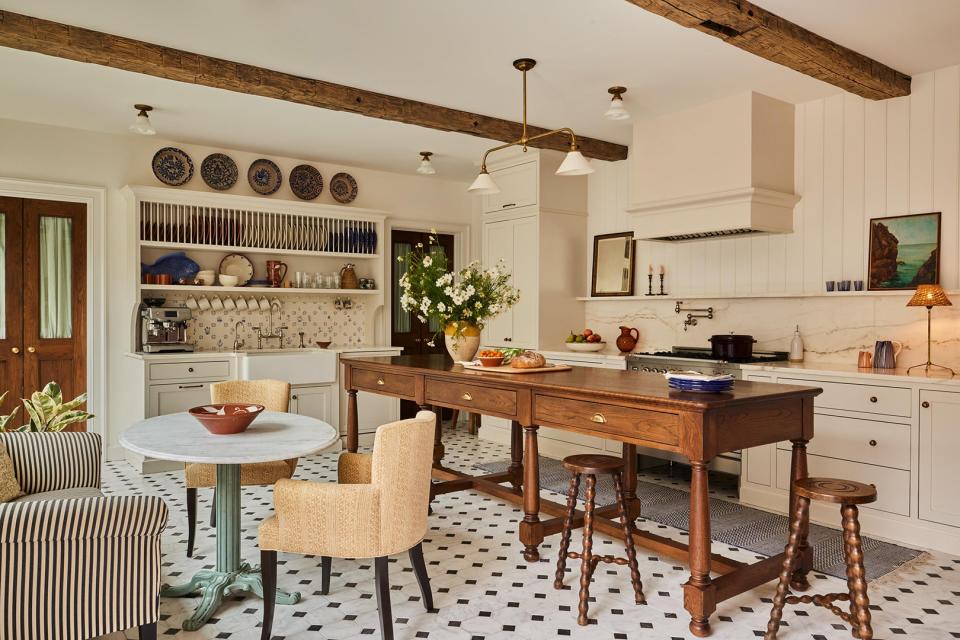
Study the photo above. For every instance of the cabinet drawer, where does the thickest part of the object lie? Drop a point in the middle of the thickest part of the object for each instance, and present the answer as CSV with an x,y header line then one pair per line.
x,y
893,485
868,398
394,384
859,440
607,419
485,399
200,370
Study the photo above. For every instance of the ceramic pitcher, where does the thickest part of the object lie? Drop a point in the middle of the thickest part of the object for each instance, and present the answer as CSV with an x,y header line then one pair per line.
x,y
885,354
276,272
627,339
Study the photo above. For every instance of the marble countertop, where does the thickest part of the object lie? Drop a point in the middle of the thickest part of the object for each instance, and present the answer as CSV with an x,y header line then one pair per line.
x,y
852,371
193,355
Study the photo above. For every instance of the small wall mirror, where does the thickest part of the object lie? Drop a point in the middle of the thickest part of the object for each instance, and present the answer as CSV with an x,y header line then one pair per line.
x,y
613,263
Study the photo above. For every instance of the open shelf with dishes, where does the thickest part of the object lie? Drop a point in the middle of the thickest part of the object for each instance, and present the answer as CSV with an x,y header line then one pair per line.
x,y
174,288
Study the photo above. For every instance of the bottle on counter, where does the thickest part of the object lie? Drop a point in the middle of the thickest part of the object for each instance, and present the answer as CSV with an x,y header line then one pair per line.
x,y
796,346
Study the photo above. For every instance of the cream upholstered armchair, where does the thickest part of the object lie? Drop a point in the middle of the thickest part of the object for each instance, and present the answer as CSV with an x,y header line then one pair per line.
x,y
274,395
379,508
75,564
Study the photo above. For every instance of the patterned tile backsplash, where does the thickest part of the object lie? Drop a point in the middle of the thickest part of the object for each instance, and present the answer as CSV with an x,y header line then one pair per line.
x,y
316,316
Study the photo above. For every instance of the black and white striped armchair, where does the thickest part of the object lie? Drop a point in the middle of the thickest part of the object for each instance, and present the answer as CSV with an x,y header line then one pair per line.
x,y
75,564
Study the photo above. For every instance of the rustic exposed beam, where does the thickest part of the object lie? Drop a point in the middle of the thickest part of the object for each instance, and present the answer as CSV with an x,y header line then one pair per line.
x,y
773,38
84,45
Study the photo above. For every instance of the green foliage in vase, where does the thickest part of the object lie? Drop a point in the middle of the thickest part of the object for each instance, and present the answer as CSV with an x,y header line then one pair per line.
x,y
459,299
47,411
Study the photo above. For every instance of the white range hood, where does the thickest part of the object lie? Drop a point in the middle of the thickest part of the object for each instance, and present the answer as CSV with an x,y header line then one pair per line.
x,y
721,169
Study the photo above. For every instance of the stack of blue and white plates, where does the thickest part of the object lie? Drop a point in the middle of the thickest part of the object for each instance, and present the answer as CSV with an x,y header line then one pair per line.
x,y
699,382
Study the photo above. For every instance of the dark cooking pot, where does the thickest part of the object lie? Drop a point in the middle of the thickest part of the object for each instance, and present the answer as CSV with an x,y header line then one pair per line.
x,y
732,346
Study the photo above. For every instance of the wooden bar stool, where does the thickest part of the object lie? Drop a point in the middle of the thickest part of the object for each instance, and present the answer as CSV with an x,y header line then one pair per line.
x,y
848,494
590,465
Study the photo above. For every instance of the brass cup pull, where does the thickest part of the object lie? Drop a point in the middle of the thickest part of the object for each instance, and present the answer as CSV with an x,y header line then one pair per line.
x,y
467,397
380,382
15,350
31,349
599,418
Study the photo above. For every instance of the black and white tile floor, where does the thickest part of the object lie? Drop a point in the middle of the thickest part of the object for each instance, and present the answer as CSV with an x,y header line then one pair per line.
x,y
484,589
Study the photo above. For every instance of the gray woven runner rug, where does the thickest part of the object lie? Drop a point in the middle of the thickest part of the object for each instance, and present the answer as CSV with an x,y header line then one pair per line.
x,y
731,523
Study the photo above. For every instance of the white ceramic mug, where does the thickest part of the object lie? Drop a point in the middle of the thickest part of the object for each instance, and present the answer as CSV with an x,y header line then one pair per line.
x,y
252,304
229,304
241,304
192,303
203,303
264,304
216,304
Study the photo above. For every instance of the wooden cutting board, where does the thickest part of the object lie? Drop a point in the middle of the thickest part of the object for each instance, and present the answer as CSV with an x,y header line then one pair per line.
x,y
508,369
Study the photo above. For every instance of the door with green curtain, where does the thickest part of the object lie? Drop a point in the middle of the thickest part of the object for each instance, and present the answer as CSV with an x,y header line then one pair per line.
x,y
44,319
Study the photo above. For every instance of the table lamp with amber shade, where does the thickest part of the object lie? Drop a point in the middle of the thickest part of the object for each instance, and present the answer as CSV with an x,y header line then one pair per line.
x,y
929,296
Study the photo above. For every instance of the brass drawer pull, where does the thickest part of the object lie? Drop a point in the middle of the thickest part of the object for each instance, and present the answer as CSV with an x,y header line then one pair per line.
x,y
599,418
467,397
873,398
380,382
872,443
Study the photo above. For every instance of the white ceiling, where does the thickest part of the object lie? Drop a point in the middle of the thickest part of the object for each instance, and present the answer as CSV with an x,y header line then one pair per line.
x,y
456,54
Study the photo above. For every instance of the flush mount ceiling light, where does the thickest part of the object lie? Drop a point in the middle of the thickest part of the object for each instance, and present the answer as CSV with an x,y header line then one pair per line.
x,y
426,168
616,110
574,164
142,123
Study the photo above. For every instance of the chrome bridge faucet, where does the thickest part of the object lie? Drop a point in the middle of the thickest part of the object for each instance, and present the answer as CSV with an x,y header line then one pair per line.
x,y
270,331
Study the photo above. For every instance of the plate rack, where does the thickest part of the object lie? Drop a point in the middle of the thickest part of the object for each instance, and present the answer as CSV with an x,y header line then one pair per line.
x,y
199,225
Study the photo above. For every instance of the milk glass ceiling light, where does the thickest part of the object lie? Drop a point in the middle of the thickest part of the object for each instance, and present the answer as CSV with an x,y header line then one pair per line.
x,y
426,168
617,110
574,164
142,124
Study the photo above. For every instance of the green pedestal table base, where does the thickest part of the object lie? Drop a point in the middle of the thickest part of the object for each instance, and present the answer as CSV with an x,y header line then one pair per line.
x,y
214,586
231,575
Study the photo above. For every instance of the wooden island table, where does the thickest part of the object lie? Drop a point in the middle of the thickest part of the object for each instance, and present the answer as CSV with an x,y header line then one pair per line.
x,y
634,408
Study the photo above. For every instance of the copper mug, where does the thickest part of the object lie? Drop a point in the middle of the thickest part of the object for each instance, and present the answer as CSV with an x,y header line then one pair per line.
x,y
865,360
276,272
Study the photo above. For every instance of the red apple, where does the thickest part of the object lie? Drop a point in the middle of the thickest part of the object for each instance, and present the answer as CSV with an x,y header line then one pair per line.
x,y
587,333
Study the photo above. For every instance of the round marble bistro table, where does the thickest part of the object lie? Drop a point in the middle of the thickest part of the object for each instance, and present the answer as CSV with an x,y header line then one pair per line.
x,y
272,436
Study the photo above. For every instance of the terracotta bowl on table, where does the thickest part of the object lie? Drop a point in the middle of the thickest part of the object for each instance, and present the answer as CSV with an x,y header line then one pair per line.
x,y
491,361
226,419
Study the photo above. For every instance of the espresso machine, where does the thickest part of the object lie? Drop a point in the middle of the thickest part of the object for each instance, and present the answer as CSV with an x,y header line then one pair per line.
x,y
164,329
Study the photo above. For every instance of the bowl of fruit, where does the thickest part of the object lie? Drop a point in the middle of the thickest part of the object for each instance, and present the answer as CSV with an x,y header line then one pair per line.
x,y
586,341
491,357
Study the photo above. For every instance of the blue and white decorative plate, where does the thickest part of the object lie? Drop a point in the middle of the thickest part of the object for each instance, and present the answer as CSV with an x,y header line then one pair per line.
x,y
343,188
264,176
306,182
219,171
172,166
177,264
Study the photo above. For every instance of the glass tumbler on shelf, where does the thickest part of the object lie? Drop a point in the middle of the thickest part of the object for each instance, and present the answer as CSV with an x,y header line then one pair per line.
x,y
336,281
318,280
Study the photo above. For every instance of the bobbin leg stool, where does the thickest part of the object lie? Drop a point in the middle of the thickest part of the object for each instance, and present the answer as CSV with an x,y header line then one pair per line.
x,y
848,494
589,466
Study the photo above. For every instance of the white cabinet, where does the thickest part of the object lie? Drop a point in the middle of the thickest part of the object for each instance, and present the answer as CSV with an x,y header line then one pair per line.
x,y
175,398
515,242
939,446
313,401
519,186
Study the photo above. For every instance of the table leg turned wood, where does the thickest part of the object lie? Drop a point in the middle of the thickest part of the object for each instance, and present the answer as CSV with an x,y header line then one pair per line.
x,y
798,471
699,592
531,529
231,575
516,455
438,449
630,483
353,425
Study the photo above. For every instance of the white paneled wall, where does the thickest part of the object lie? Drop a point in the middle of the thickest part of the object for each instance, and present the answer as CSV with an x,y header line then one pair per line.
x,y
856,159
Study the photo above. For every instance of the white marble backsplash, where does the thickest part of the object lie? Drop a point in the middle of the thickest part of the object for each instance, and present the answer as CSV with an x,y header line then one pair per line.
x,y
316,316
834,330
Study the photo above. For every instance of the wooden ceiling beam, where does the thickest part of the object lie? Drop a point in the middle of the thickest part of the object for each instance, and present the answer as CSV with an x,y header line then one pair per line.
x,y
27,33
773,38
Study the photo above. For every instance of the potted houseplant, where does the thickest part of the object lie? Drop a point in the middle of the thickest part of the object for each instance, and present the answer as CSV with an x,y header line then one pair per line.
x,y
459,301
47,411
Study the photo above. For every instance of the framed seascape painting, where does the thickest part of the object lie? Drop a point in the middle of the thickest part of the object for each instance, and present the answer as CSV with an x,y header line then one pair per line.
x,y
904,251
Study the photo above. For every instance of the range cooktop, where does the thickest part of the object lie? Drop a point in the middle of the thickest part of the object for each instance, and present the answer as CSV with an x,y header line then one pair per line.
x,y
705,354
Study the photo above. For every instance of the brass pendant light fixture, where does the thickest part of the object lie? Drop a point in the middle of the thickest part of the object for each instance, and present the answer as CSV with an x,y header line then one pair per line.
x,y
574,164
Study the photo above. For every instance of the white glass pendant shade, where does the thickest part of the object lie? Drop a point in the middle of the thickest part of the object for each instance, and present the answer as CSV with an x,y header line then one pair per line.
x,y
616,110
574,164
142,125
484,185
426,168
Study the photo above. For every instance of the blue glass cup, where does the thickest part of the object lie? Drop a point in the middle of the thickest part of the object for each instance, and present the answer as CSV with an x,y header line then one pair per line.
x,y
830,285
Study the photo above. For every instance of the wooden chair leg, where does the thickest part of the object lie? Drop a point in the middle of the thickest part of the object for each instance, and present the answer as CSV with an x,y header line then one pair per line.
x,y
191,519
148,631
268,572
856,576
420,569
567,529
626,525
326,564
789,563
213,511
382,575
474,423
587,564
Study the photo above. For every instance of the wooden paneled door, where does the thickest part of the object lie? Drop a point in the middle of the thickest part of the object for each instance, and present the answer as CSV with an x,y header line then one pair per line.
x,y
43,337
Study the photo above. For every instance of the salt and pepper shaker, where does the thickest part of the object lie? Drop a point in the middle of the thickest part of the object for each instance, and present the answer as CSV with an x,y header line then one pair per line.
x,y
796,346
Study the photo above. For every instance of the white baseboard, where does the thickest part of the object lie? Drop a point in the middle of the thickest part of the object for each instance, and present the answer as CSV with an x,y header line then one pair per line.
x,y
876,524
